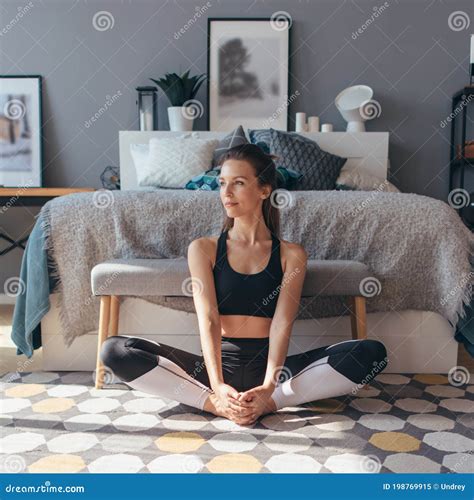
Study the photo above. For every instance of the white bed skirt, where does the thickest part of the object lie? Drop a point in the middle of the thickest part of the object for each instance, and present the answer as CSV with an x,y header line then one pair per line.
x,y
416,341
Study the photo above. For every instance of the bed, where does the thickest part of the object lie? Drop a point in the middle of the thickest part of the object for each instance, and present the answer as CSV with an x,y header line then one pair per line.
x,y
418,340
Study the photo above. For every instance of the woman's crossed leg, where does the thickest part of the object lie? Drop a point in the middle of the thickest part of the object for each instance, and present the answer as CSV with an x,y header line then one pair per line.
x,y
179,375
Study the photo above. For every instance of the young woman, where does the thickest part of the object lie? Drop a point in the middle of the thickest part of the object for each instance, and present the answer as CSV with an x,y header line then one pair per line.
x,y
247,287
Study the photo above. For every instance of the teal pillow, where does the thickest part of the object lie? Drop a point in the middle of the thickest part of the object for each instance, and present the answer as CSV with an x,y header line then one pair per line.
x,y
287,178
207,181
344,187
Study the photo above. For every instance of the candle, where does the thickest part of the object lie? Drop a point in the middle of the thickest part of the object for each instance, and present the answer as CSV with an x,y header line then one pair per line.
x,y
472,49
326,127
300,124
313,123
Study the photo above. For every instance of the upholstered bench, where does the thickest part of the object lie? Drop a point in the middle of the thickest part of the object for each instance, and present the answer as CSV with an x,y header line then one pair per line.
x,y
170,277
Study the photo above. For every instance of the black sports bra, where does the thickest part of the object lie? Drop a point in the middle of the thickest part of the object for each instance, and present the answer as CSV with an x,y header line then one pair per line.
x,y
247,294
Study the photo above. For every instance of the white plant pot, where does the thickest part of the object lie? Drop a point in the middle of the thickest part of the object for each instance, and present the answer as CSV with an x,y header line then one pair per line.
x,y
180,118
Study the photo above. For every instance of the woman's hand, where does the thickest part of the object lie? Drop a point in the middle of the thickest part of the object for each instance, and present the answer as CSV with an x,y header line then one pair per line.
x,y
227,403
259,401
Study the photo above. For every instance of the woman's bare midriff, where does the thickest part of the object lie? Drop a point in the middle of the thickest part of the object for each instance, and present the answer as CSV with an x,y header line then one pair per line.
x,y
234,325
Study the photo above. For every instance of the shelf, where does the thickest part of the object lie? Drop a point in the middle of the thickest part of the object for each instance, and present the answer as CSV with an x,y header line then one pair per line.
x,y
467,91
468,162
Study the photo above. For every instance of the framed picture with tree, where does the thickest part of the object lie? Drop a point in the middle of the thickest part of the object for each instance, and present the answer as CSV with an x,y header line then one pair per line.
x,y
248,72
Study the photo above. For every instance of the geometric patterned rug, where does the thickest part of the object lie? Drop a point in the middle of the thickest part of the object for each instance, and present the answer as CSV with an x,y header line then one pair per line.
x,y
58,422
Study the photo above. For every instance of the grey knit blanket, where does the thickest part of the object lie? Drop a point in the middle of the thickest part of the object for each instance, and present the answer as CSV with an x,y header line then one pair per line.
x,y
416,246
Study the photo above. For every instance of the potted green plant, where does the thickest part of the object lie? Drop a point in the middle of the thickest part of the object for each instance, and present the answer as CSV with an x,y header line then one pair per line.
x,y
181,91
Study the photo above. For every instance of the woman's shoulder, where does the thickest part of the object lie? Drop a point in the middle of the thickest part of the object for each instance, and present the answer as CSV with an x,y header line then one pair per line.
x,y
290,250
206,245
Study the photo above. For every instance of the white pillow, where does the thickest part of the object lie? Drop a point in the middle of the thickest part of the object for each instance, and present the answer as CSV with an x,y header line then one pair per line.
x,y
140,151
364,181
172,162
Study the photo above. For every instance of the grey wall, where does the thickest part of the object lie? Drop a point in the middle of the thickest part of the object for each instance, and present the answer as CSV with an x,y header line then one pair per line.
x,y
409,55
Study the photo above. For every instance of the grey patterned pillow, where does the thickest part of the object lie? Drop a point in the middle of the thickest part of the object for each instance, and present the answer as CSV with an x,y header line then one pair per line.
x,y
260,137
235,138
320,169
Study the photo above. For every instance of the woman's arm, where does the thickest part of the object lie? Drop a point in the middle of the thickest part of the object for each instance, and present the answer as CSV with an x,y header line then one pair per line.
x,y
205,302
285,313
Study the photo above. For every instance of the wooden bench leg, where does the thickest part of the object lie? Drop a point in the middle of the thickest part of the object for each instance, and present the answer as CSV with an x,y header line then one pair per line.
x,y
359,322
104,318
358,318
114,315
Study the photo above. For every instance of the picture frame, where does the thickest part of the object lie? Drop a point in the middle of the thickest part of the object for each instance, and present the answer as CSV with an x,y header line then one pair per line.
x,y
21,121
248,68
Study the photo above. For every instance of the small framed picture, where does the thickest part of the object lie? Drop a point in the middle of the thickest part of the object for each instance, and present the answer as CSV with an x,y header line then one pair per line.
x,y
21,148
248,69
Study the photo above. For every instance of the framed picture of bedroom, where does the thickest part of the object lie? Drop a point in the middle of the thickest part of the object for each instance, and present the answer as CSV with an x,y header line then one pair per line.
x,y
20,131
248,68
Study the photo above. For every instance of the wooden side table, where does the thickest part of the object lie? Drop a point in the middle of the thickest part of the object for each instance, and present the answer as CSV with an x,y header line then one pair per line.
x,y
29,197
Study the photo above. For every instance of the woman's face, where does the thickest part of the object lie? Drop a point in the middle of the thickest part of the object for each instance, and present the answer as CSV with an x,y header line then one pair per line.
x,y
239,186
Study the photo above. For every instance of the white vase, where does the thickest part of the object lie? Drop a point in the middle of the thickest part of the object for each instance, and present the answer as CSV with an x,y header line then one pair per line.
x,y
180,118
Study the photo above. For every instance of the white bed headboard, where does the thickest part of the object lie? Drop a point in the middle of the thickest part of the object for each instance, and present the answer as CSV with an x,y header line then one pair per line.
x,y
365,151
